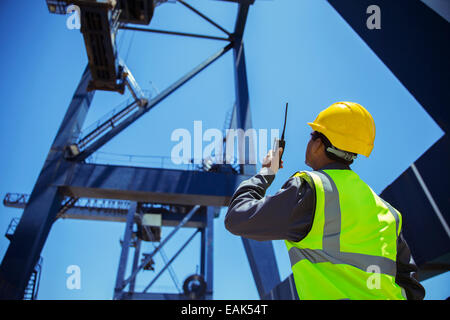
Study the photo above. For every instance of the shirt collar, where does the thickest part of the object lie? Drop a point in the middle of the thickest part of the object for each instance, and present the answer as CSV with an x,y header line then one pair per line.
x,y
336,165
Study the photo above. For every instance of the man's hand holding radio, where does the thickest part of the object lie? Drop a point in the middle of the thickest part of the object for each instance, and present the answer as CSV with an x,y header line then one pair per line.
x,y
271,162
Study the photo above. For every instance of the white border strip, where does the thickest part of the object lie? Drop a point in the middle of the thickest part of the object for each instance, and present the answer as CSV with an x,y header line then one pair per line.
x,y
430,198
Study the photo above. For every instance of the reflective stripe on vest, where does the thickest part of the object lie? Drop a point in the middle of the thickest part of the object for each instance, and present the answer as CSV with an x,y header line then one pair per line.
x,y
327,201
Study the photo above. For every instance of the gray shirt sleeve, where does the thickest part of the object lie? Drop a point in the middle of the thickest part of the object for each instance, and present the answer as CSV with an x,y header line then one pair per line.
x,y
287,215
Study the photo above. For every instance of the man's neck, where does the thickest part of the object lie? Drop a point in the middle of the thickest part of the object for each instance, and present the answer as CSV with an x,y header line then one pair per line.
x,y
334,165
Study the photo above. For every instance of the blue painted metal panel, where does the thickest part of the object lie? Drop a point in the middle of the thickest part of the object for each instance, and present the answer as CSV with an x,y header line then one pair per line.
x,y
413,44
285,290
422,229
263,263
151,184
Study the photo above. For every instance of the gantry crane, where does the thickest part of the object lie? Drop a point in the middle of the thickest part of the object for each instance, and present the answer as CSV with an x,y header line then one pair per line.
x,y
180,198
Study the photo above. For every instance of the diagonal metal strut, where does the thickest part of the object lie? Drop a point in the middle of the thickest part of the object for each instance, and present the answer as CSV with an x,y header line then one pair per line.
x,y
170,261
176,33
204,17
149,257
119,127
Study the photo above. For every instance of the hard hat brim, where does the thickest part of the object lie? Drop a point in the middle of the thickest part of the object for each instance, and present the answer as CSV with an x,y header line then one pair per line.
x,y
339,141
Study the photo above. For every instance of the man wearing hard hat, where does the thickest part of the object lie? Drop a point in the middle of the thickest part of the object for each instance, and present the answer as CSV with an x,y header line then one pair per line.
x,y
344,241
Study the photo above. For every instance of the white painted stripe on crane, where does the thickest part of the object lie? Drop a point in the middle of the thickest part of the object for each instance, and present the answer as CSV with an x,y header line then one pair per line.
x,y
238,58
430,198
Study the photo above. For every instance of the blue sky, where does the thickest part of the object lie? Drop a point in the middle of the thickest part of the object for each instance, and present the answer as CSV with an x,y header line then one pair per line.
x,y
297,51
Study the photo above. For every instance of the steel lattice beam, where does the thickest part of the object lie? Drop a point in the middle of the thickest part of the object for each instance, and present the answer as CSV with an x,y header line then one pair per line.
x,y
150,184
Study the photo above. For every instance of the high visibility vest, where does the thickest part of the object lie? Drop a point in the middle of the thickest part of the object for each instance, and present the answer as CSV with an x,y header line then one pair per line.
x,y
350,251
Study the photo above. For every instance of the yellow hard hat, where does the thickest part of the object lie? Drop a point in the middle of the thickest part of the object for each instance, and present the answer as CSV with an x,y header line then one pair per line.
x,y
348,126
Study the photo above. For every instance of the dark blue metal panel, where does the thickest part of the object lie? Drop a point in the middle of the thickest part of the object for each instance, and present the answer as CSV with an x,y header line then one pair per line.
x,y
241,20
413,43
285,290
44,203
263,264
151,184
422,229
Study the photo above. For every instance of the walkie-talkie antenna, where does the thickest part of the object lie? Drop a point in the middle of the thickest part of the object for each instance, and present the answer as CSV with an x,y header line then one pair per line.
x,y
281,143
285,118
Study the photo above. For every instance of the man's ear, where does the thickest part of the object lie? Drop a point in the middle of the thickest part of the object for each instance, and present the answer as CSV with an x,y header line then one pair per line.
x,y
317,145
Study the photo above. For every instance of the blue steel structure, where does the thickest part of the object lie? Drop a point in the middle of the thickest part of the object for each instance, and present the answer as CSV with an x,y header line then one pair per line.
x,y
183,198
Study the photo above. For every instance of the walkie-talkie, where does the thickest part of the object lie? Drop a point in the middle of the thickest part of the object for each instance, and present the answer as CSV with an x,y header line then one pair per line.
x,y
281,143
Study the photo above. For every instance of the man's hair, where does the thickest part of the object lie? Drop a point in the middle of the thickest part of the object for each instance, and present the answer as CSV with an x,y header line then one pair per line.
x,y
335,154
